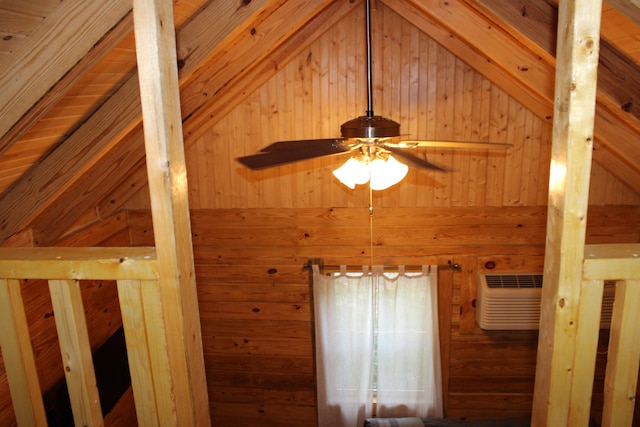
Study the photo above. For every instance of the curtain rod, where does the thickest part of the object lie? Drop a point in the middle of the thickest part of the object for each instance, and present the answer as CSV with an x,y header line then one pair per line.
x,y
449,265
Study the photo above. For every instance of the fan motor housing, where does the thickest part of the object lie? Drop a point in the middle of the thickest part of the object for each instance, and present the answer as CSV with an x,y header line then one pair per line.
x,y
370,127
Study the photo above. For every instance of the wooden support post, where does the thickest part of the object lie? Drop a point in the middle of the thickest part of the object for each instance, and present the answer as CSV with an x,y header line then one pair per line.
x,y
166,170
18,357
75,348
561,332
144,328
621,378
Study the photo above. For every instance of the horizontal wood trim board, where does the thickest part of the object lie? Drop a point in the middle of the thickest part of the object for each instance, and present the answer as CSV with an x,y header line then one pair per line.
x,y
78,263
350,217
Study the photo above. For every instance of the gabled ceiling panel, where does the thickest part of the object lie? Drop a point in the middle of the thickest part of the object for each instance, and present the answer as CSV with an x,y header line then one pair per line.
x,y
31,183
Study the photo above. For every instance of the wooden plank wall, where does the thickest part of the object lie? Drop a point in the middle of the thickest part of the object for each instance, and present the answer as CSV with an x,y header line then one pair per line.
x,y
101,305
417,82
256,307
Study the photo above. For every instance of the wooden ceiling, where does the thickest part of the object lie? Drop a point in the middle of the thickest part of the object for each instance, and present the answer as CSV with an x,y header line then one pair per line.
x,y
70,109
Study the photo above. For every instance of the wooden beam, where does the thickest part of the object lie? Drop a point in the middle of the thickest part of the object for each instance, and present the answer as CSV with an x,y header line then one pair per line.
x,y
75,349
257,55
185,381
59,43
126,156
37,189
19,361
67,82
485,35
618,76
140,305
519,67
629,8
612,262
78,263
247,73
558,363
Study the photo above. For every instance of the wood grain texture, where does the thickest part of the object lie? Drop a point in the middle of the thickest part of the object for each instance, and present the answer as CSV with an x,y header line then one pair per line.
x,y
559,369
175,343
100,300
53,50
621,380
75,347
110,122
20,367
255,302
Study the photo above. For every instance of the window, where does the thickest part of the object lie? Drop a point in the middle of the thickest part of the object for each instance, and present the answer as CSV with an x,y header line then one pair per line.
x,y
376,332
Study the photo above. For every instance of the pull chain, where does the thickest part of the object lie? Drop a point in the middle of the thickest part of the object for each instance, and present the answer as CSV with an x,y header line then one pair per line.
x,y
370,225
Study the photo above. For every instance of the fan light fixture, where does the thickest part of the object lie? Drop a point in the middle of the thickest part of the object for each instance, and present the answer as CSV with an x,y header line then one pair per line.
x,y
375,137
381,173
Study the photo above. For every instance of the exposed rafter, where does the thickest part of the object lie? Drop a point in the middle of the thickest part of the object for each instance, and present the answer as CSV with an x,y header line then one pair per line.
x,y
220,65
71,31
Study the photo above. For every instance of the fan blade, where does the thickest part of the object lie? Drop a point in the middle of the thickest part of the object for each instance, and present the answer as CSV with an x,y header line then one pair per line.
x,y
453,144
413,160
302,144
284,152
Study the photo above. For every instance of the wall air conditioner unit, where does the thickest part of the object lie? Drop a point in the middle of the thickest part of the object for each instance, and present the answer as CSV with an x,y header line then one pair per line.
x,y
512,302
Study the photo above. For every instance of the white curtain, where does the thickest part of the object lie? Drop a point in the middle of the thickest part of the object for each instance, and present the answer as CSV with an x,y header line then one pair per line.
x,y
344,341
406,335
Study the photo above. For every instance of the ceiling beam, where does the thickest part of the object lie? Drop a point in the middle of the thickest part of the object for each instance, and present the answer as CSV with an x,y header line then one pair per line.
x,y
66,83
313,20
527,64
246,73
56,46
618,76
37,188
480,60
246,82
629,8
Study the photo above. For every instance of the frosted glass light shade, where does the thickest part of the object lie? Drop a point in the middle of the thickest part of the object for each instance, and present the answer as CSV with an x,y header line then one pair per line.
x,y
352,172
383,173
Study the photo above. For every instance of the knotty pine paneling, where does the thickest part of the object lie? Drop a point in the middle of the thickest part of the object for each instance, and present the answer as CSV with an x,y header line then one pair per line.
x,y
102,310
432,93
81,100
255,301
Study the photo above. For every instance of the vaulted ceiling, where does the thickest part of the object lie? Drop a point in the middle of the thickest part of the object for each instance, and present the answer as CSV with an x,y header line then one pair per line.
x,y
70,111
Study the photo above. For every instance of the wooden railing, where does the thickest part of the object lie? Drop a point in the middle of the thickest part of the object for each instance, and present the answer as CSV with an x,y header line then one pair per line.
x,y
622,264
135,270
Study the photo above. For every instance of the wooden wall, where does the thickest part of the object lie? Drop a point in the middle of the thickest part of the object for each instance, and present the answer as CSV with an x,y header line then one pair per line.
x,y
256,306
417,82
254,231
427,89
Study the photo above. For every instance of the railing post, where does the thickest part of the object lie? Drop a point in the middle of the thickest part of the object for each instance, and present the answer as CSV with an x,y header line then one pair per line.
x,y
75,349
144,332
621,377
18,357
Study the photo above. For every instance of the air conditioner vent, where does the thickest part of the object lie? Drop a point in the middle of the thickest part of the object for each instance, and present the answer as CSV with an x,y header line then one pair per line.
x,y
514,280
512,302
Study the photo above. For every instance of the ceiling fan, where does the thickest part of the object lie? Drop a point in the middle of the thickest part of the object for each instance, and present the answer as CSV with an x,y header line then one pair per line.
x,y
369,137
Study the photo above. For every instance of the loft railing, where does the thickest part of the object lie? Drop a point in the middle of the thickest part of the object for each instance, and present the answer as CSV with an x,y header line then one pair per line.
x,y
135,271
619,262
